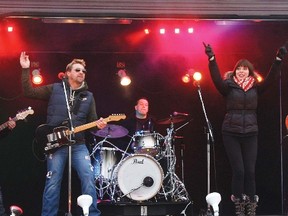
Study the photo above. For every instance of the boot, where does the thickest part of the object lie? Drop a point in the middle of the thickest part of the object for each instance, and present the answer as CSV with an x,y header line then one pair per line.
x,y
240,204
252,205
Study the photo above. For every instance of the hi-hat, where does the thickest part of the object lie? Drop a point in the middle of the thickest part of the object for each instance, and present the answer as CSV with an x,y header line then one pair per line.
x,y
172,119
111,131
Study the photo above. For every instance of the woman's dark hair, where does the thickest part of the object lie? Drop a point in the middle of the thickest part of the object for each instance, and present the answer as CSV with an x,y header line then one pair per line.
x,y
245,63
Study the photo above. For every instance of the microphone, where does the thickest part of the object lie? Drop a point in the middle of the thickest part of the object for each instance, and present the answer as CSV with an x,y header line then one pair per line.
x,y
148,181
180,114
61,75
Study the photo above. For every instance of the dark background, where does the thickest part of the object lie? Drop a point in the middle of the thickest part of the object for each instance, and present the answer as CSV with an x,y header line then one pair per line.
x,y
156,64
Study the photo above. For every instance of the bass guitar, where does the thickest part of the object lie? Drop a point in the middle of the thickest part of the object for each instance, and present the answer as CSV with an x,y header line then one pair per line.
x,y
50,138
21,115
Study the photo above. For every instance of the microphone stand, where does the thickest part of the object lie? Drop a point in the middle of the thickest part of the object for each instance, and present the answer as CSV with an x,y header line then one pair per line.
x,y
69,149
210,139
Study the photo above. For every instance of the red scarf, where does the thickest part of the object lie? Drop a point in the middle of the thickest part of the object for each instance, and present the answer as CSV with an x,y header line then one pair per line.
x,y
246,83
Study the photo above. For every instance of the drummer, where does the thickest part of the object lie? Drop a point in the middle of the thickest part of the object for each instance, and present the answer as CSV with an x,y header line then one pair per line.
x,y
122,134
140,121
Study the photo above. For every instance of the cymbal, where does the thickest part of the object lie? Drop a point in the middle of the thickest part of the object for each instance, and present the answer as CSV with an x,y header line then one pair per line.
x,y
172,119
111,131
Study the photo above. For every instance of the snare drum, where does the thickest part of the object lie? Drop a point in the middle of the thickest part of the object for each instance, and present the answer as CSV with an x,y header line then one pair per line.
x,y
139,177
110,157
146,143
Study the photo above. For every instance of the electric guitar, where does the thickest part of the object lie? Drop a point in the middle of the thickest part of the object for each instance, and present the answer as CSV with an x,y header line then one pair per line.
x,y
20,116
50,138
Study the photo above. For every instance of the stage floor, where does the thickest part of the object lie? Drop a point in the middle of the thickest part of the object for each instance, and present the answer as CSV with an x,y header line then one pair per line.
x,y
145,208
151,209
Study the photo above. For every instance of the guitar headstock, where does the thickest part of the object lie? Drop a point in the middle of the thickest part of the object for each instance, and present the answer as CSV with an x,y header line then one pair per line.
x,y
24,113
115,117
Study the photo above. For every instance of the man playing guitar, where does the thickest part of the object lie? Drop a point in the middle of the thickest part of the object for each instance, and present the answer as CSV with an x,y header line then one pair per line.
x,y
11,124
73,95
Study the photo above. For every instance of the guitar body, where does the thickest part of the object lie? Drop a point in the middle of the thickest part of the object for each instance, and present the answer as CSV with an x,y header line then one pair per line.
x,y
50,138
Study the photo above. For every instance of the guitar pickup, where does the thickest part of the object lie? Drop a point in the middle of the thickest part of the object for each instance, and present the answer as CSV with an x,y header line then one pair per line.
x,y
51,137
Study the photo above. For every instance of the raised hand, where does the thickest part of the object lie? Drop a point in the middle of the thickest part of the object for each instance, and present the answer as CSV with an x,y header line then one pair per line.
x,y
208,50
24,60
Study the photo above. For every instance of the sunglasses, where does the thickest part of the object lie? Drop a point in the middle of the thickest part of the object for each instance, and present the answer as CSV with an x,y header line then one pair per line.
x,y
78,70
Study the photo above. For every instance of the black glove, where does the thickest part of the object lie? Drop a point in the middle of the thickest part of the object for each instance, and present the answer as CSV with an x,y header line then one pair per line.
x,y
208,50
282,51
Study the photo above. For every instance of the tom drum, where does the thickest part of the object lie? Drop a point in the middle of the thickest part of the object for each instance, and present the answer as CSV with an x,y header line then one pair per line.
x,y
146,143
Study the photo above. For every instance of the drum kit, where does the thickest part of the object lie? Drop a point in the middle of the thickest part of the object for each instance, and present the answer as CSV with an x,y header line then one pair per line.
x,y
146,174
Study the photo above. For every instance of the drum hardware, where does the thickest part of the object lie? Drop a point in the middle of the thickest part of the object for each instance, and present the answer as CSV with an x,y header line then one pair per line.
x,y
139,176
182,149
100,178
172,186
104,177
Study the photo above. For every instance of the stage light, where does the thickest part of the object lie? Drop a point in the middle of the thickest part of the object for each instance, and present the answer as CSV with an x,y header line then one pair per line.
x,y
37,79
124,79
258,77
10,28
177,31
188,76
214,199
162,31
146,31
197,76
190,30
84,201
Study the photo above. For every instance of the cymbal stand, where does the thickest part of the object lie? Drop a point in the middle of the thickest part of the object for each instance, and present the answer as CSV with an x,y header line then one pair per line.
x,y
174,187
182,150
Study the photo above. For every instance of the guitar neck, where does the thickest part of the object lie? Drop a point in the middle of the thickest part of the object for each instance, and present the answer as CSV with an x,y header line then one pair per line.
x,y
88,126
5,125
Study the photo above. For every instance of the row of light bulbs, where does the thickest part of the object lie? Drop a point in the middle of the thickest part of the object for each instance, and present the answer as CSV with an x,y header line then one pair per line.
x,y
125,80
175,31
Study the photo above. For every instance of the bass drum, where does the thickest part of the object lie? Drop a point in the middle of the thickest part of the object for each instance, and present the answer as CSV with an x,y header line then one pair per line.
x,y
139,177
